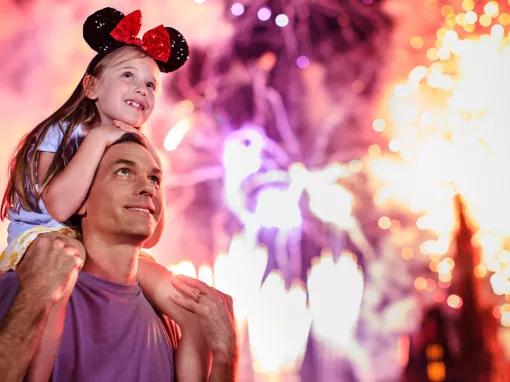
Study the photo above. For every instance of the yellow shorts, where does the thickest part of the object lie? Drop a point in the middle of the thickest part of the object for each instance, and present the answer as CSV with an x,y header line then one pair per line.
x,y
11,256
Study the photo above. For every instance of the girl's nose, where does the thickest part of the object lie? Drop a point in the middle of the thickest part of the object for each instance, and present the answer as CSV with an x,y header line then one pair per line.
x,y
141,89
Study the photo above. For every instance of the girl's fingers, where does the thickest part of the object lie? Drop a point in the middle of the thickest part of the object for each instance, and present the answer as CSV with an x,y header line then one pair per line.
x,y
190,281
124,126
185,303
190,291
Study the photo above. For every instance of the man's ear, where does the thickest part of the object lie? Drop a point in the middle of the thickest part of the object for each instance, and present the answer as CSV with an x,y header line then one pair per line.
x,y
89,86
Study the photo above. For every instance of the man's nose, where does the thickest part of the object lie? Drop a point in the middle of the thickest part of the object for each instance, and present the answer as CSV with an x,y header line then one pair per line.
x,y
146,187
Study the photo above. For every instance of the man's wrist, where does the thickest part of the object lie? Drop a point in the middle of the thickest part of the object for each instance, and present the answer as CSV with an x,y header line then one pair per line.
x,y
224,357
223,367
35,298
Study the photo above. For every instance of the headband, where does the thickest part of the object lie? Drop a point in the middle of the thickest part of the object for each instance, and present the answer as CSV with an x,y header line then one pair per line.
x,y
108,29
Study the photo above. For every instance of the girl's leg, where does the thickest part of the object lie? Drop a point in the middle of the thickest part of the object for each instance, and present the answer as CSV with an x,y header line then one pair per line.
x,y
192,355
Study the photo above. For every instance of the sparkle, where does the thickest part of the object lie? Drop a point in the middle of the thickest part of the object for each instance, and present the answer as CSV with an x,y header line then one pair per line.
x,y
282,20
237,9
264,14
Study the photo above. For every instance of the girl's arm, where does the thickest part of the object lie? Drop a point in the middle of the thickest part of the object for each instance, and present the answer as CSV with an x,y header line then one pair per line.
x,y
68,189
192,355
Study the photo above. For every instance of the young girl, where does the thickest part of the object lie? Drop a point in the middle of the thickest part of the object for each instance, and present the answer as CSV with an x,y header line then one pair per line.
x,y
55,163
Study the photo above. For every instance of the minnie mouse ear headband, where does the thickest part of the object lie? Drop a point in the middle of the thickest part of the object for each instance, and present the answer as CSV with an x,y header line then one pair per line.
x,y
108,29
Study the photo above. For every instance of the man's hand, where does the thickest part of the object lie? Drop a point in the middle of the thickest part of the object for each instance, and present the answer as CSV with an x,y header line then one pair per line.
x,y
47,275
50,266
215,312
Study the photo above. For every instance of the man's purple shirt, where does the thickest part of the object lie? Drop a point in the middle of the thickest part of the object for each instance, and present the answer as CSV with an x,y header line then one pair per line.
x,y
111,333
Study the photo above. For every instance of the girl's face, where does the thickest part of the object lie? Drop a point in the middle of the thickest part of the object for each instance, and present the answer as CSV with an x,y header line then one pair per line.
x,y
126,89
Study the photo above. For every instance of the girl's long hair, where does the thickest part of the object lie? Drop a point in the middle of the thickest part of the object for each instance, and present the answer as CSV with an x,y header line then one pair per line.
x,y
23,190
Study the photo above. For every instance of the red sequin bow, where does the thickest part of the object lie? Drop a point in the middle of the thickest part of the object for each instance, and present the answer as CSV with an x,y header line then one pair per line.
x,y
155,42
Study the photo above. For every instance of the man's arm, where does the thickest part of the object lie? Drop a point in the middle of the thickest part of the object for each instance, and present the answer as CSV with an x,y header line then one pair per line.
x,y
20,331
47,273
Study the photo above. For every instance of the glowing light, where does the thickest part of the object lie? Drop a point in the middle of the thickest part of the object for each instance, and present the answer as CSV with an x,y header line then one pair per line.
x,y
485,20
332,204
434,351
237,9
355,165
447,10
378,125
185,268
282,20
504,19
420,283
505,318
445,265
417,74
436,371
416,42
303,62
394,145
454,301
277,208
384,222
500,284
446,103
471,17
176,134
264,13
445,277
374,150
497,31
459,18
491,9
432,54
468,5
239,273
278,326
407,253
205,274
342,282
480,270
242,152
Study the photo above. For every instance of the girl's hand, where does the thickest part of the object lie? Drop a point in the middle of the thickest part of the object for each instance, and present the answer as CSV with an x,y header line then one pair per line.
x,y
111,133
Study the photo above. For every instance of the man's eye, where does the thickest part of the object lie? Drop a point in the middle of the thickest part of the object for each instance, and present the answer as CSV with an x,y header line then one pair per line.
x,y
155,179
123,171
127,74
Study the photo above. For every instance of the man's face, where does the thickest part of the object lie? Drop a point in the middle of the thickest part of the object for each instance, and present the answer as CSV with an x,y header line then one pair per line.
x,y
124,203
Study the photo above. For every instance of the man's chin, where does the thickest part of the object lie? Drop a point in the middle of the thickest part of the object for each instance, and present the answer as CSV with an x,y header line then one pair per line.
x,y
138,237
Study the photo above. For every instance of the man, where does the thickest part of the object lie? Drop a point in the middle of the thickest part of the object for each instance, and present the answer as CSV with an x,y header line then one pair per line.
x,y
110,332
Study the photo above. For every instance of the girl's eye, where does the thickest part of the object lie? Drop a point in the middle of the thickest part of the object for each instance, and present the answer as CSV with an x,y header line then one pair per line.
x,y
155,179
127,74
151,85
123,171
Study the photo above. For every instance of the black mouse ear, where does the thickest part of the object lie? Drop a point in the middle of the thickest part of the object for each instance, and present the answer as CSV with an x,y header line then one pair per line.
x,y
179,51
97,28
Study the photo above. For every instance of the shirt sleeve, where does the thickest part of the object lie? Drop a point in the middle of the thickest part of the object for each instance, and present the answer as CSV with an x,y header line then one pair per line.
x,y
9,286
52,139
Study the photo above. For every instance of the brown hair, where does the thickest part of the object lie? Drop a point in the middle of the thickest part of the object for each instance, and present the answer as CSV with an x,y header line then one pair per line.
x,y
21,190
